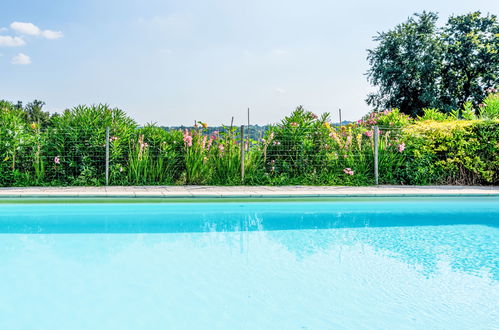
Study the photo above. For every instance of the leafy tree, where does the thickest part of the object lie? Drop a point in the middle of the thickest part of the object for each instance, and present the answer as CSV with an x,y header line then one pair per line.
x,y
31,112
418,65
405,65
470,58
34,113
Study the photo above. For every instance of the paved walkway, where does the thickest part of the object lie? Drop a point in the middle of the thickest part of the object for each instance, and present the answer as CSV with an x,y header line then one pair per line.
x,y
246,191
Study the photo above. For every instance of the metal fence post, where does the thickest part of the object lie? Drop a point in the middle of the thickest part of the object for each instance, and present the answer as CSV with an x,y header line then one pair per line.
x,y
107,155
376,152
242,153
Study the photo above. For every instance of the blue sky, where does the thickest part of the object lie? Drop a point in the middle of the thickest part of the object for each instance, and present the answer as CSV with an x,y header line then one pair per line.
x,y
173,62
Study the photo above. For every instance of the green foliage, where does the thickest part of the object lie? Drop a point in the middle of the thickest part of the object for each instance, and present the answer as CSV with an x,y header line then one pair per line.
x,y
34,114
418,65
78,136
406,65
154,157
14,143
452,152
387,118
305,149
433,114
195,150
490,107
224,157
470,59
435,148
468,113
294,145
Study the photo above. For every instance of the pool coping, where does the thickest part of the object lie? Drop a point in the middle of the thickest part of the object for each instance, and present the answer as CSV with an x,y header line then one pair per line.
x,y
215,192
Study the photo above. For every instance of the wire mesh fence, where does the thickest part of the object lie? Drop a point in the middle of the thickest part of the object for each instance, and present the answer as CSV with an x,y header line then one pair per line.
x,y
52,157
226,156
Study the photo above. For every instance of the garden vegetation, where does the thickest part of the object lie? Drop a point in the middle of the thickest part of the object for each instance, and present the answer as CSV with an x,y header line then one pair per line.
x,y
453,147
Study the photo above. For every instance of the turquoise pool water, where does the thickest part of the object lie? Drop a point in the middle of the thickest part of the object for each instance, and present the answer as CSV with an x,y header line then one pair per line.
x,y
408,263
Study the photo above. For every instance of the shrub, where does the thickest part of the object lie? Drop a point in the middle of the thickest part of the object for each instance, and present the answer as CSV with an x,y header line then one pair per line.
x,y
433,114
453,152
490,107
77,140
15,145
388,118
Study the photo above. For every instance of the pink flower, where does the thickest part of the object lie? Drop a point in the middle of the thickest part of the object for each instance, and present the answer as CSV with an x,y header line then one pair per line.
x,y
401,147
368,133
57,160
187,138
313,115
348,171
221,147
293,124
349,141
203,144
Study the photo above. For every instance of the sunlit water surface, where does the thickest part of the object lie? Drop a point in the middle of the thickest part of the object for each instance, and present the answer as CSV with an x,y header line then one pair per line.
x,y
252,273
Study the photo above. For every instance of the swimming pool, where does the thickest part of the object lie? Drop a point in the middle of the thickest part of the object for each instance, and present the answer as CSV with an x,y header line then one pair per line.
x,y
412,263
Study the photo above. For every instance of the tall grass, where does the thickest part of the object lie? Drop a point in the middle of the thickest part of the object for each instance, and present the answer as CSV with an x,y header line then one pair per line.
x,y
225,157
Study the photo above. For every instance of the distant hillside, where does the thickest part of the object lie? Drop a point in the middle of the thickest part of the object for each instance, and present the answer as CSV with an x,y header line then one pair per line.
x,y
253,131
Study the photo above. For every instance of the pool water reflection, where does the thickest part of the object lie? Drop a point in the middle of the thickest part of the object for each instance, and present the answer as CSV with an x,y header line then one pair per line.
x,y
250,269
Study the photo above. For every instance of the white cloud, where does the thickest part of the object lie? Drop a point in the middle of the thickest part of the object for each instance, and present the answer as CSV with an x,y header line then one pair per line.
x,y
21,59
33,30
25,28
9,41
49,34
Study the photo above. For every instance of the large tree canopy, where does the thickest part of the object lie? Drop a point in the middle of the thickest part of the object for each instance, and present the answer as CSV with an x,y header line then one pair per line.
x,y
419,65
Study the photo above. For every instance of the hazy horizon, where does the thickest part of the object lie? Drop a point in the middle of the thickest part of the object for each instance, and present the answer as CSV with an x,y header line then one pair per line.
x,y
173,62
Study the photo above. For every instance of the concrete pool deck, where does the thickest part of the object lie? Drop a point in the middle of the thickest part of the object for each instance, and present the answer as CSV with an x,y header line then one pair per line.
x,y
244,191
